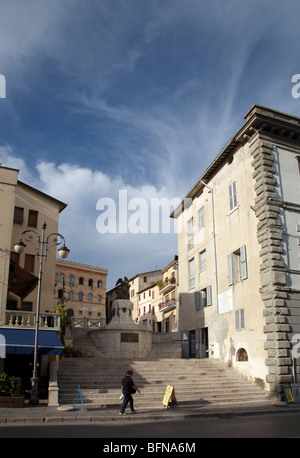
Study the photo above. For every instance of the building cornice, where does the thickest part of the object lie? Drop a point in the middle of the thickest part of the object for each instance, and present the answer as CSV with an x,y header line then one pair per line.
x,y
284,129
79,266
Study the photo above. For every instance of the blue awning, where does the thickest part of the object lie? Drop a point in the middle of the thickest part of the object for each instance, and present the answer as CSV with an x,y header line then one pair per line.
x,y
21,342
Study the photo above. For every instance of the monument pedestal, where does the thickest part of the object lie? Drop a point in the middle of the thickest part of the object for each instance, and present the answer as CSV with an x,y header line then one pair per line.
x,y
122,338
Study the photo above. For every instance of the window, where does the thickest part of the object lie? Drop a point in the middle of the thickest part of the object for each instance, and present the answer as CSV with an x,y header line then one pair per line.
x,y
26,306
60,294
149,292
237,266
200,219
61,277
71,280
19,215
32,218
99,284
190,234
241,355
232,196
71,295
99,299
80,297
15,257
202,260
239,319
90,298
191,273
91,283
203,298
81,280
29,263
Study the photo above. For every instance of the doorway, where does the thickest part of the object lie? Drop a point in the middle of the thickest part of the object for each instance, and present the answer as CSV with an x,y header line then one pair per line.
x,y
204,353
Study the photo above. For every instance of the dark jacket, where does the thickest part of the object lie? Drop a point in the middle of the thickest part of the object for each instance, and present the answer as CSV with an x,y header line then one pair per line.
x,y
128,385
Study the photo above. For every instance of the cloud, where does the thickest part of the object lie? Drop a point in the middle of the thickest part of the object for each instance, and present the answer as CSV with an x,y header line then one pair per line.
x,y
124,252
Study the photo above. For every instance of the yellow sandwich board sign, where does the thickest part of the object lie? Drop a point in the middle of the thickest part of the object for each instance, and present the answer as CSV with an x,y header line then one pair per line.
x,y
169,396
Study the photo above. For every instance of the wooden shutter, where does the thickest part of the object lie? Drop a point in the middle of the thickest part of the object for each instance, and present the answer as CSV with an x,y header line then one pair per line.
x,y
230,272
244,273
32,218
29,263
18,216
208,296
197,298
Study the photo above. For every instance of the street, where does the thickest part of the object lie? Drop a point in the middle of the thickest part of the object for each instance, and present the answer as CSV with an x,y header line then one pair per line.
x,y
265,426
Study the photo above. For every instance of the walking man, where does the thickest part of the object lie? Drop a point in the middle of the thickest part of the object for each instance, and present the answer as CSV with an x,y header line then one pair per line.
x,y
128,389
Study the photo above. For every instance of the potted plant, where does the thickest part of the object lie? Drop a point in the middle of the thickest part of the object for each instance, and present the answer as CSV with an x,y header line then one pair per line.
x,y
11,391
71,352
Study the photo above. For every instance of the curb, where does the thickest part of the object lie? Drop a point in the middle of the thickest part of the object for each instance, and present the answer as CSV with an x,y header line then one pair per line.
x,y
114,418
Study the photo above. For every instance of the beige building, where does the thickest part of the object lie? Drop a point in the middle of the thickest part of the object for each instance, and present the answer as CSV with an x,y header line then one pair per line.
x,y
149,315
238,249
154,295
25,208
168,306
81,289
138,283
25,211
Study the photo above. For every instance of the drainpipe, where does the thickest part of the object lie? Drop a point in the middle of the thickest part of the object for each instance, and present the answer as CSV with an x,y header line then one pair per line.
x,y
214,243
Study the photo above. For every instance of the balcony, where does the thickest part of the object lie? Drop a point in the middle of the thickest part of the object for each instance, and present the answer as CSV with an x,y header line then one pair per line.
x,y
167,305
168,286
27,320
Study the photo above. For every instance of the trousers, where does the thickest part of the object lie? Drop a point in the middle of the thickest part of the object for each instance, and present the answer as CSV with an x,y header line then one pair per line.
x,y
127,398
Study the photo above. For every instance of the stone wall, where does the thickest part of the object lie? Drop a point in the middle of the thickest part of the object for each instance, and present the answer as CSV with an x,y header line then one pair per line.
x,y
272,269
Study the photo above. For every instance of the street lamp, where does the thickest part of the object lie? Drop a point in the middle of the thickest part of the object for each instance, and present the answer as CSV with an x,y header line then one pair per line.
x,y
42,252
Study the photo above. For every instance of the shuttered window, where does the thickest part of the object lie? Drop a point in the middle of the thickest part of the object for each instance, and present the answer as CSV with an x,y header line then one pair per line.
x,y
19,215
240,319
232,191
190,234
32,218
203,298
192,273
237,266
29,263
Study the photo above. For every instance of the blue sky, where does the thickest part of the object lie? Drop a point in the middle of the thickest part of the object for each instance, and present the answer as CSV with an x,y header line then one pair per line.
x,y
137,95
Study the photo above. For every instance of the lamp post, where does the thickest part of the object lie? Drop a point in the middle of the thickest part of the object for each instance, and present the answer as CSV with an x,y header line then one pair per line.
x,y
41,252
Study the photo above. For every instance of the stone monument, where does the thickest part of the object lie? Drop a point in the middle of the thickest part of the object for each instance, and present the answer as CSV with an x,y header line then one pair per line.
x,y
122,338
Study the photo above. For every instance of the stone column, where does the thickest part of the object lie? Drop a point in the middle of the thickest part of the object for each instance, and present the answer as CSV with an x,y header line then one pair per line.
x,y
53,389
272,268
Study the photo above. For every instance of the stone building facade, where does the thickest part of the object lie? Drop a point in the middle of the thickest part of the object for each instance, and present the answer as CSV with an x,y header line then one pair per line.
x,y
81,289
238,249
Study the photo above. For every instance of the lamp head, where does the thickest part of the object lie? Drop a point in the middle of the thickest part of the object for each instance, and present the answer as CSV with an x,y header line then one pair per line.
x,y
19,247
63,252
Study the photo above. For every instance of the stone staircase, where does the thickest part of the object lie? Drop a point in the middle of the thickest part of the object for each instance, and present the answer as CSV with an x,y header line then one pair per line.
x,y
196,382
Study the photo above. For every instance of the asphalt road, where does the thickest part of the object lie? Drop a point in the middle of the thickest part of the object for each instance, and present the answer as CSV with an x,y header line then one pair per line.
x,y
264,426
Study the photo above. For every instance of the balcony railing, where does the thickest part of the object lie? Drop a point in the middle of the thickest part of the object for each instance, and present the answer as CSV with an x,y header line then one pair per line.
x,y
168,304
18,319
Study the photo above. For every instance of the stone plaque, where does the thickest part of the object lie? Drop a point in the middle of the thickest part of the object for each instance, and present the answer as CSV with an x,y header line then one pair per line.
x,y
129,337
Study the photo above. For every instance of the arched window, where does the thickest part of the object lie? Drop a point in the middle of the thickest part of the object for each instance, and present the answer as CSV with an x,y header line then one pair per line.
x,y
61,277
100,299
91,283
99,284
72,280
90,298
71,295
241,355
81,280
80,296
60,294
